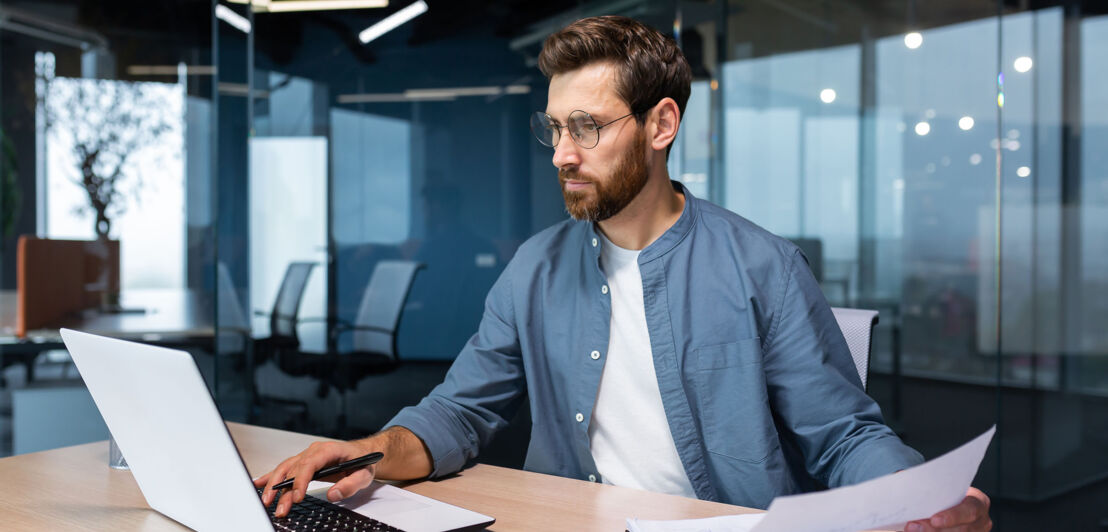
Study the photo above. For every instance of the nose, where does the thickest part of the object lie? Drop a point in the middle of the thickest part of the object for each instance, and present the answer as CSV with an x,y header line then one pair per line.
x,y
566,153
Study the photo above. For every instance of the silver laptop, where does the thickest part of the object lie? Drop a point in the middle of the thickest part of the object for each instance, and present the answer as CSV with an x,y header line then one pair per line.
x,y
165,422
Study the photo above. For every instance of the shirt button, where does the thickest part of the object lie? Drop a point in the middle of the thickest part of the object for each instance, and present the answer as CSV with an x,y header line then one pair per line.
x,y
594,242
592,478
580,417
604,289
595,355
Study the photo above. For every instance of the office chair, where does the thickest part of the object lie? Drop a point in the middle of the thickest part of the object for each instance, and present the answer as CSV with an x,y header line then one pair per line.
x,y
283,317
283,344
857,326
373,332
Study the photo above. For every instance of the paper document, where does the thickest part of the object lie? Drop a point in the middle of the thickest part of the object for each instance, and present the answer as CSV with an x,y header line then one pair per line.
x,y
726,523
885,503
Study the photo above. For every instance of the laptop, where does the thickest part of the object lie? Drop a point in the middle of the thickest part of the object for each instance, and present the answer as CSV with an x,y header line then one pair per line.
x,y
165,422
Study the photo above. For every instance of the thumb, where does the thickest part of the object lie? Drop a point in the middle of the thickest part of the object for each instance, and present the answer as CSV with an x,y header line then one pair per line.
x,y
353,483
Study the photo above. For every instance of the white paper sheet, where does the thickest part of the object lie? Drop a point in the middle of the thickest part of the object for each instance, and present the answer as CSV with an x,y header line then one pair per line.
x,y
726,523
886,503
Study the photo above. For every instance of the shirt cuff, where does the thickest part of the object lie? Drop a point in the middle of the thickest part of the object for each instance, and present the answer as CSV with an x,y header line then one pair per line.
x,y
446,455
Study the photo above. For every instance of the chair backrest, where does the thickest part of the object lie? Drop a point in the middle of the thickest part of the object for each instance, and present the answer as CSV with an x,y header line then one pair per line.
x,y
857,326
282,321
383,301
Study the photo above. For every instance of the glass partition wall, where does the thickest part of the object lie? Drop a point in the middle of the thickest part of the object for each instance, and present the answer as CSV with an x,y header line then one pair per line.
x,y
936,161
105,137
941,162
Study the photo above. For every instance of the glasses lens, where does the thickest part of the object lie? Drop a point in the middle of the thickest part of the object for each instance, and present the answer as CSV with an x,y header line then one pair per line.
x,y
584,130
544,130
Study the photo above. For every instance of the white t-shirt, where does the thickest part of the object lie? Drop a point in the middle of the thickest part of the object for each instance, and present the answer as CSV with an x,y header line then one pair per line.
x,y
628,435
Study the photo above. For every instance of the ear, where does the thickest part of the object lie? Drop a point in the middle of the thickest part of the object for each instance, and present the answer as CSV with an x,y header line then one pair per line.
x,y
664,120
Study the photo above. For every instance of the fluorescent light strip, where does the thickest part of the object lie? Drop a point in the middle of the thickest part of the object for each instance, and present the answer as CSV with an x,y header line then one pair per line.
x,y
321,5
236,20
441,95
169,70
453,92
285,6
392,21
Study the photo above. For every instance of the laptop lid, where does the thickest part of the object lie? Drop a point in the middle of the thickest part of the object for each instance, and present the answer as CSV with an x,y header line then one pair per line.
x,y
162,416
165,422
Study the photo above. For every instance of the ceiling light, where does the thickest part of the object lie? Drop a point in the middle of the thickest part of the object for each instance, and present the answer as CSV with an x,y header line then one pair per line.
x,y
236,20
286,6
913,40
923,128
827,95
392,21
441,95
965,123
1022,64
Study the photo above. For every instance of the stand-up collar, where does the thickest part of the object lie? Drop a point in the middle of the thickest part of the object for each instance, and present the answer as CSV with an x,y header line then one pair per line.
x,y
674,235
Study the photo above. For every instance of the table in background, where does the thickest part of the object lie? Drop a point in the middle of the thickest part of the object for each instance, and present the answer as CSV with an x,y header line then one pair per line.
x,y
167,317
73,488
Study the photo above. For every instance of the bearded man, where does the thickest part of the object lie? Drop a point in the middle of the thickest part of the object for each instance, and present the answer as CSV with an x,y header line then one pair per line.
x,y
664,343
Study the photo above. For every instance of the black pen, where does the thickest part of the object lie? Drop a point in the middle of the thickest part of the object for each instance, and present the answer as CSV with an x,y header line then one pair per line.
x,y
362,461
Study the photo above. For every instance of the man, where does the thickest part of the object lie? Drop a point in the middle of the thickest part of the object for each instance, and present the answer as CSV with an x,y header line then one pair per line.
x,y
665,343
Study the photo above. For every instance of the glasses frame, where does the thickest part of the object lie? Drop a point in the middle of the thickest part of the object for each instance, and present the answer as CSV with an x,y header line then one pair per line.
x,y
559,127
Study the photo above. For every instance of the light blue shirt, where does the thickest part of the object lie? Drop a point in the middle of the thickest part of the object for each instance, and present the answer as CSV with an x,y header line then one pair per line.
x,y
759,389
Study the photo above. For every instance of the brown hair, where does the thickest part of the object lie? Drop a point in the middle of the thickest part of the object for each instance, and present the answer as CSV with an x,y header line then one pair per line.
x,y
650,65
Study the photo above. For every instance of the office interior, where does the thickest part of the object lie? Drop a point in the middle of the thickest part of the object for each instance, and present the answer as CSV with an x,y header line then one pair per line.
x,y
317,219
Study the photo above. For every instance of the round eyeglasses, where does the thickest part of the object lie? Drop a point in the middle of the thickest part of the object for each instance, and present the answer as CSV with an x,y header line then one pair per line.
x,y
582,128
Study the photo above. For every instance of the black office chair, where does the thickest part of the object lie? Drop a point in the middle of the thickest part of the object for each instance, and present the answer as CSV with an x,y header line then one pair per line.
x,y
283,344
283,317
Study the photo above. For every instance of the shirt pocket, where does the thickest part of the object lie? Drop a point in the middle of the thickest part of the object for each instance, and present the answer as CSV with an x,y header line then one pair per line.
x,y
735,415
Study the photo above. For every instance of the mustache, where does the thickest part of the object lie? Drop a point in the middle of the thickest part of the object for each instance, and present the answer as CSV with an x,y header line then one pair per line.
x,y
573,175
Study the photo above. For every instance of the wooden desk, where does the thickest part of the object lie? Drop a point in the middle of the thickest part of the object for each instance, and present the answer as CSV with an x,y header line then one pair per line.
x,y
74,489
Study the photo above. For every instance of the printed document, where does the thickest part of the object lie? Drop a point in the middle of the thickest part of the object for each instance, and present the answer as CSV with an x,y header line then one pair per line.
x,y
885,503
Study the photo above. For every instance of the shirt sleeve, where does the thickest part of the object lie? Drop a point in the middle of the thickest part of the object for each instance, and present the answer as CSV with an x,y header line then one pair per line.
x,y
480,393
816,393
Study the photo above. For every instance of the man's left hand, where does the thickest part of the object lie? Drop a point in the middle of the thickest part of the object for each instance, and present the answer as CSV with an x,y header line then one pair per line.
x,y
971,514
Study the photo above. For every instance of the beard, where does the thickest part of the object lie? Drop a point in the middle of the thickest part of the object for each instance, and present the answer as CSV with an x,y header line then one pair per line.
x,y
608,196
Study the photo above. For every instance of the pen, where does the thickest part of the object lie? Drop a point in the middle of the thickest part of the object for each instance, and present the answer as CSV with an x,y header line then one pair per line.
x,y
362,461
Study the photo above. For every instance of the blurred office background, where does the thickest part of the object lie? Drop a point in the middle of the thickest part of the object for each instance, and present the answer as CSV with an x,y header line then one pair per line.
x,y
256,184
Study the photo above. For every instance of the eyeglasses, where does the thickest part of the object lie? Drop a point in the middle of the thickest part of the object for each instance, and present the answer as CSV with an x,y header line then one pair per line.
x,y
582,128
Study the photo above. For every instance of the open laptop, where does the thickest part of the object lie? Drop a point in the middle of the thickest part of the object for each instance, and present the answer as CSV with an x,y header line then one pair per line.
x,y
165,422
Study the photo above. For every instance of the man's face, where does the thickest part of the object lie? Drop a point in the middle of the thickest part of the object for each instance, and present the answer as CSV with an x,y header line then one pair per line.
x,y
597,183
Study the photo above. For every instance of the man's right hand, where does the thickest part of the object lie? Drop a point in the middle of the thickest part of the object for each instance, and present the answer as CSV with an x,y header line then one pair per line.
x,y
406,457
318,456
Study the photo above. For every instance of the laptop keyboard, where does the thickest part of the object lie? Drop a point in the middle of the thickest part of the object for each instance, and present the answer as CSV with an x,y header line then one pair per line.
x,y
317,514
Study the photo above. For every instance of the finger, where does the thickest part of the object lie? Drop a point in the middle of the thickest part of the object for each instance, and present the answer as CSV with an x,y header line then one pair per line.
x,y
968,511
353,483
313,459
261,481
276,476
918,526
